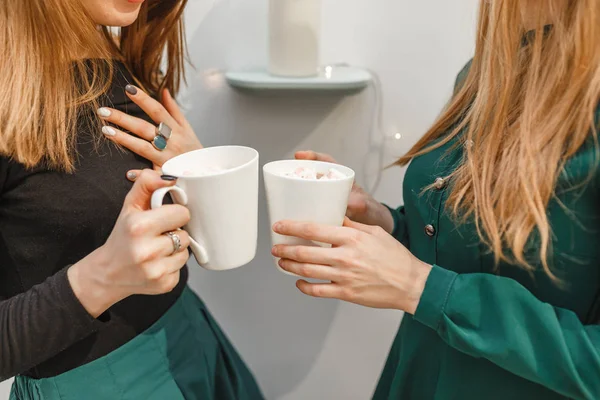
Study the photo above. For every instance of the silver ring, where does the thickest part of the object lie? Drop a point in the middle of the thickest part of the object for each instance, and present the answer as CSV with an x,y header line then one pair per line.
x,y
176,241
164,130
163,133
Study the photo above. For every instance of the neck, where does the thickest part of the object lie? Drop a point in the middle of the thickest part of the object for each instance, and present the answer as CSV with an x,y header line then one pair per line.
x,y
91,51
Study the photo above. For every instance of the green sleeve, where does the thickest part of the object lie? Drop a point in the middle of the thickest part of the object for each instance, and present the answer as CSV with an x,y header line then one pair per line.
x,y
400,232
495,318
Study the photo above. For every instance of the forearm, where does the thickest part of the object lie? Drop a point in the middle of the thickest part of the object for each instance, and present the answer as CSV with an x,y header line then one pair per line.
x,y
40,323
496,318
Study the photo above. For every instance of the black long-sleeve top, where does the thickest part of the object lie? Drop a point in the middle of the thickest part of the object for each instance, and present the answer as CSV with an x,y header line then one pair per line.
x,y
48,221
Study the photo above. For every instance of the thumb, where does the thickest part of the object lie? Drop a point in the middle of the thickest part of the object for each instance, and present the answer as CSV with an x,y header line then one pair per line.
x,y
147,182
357,203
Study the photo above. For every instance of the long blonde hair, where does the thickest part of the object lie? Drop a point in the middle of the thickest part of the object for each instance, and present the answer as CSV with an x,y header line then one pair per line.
x,y
47,83
525,106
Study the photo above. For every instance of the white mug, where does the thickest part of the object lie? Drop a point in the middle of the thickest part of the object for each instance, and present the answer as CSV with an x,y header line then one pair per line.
x,y
309,200
219,185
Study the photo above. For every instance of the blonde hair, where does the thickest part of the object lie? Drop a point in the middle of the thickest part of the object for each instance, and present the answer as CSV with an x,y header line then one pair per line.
x,y
526,105
47,83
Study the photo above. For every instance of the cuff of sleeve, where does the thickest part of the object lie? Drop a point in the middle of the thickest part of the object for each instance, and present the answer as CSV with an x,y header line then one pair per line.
x,y
66,299
396,217
435,296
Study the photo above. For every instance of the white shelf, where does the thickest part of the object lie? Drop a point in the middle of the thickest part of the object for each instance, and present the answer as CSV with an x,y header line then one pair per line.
x,y
330,79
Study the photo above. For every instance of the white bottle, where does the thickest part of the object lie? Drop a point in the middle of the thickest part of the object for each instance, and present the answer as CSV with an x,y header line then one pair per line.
x,y
294,36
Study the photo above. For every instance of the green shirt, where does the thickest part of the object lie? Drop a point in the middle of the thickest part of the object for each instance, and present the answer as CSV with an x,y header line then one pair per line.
x,y
482,332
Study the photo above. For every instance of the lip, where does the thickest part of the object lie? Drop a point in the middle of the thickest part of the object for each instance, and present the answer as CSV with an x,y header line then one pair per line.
x,y
136,1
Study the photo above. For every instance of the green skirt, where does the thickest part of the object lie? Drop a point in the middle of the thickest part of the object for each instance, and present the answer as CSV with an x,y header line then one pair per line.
x,y
184,355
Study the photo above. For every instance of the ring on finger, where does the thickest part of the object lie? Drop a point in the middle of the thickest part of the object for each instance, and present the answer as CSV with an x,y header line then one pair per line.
x,y
176,241
163,133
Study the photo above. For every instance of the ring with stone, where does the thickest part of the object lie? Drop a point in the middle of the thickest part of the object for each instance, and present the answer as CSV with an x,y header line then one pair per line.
x,y
163,133
176,241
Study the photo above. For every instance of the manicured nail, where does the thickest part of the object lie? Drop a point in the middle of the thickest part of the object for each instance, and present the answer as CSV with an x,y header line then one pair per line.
x,y
108,131
103,112
132,90
132,175
168,178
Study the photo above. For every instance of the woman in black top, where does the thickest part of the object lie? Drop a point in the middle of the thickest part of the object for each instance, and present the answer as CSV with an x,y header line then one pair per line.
x,y
94,302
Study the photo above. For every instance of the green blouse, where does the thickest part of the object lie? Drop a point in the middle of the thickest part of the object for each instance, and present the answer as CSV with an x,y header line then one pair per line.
x,y
482,332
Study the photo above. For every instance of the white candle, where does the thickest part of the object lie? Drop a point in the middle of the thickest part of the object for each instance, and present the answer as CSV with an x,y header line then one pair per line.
x,y
294,36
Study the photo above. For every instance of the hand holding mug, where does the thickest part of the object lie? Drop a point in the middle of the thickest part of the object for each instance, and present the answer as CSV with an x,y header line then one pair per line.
x,y
365,266
138,257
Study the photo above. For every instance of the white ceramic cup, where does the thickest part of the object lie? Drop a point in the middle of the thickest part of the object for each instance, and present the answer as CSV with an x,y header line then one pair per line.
x,y
309,200
223,204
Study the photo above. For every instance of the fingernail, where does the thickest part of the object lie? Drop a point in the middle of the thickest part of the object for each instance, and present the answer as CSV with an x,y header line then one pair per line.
x,y
274,251
169,178
276,226
108,131
132,175
132,90
103,112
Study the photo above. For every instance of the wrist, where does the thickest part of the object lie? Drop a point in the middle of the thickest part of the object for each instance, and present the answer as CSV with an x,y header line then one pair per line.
x,y
386,218
94,294
421,271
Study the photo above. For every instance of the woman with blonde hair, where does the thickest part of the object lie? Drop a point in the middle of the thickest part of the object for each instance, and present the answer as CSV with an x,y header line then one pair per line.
x,y
495,255
94,302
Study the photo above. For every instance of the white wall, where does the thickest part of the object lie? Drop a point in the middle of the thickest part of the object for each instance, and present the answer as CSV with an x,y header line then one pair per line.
x,y
302,348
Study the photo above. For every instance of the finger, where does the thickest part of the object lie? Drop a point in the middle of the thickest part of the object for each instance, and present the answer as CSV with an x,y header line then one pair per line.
x,y
308,230
157,249
170,281
167,245
147,182
133,174
137,126
311,254
176,261
137,145
173,108
164,274
323,290
151,107
358,226
160,267
166,218
313,271
313,155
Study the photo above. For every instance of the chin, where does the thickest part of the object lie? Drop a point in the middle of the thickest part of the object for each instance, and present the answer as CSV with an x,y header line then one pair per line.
x,y
117,13
125,20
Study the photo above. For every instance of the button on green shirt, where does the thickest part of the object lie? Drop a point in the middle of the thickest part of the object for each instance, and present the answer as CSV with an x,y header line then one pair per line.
x,y
485,333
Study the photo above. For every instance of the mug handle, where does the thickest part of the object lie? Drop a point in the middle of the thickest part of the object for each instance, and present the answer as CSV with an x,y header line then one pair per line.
x,y
157,201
